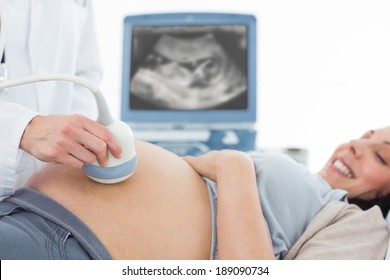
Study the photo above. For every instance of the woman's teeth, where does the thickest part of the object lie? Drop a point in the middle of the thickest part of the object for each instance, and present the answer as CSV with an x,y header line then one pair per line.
x,y
342,168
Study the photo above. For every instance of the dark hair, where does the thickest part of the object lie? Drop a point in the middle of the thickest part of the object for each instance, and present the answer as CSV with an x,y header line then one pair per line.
x,y
383,203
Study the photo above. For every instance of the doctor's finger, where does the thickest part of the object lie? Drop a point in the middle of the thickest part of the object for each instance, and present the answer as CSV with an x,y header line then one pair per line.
x,y
83,154
112,144
71,153
91,148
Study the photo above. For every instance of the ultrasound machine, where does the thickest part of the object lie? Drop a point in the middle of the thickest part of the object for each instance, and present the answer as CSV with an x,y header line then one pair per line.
x,y
189,80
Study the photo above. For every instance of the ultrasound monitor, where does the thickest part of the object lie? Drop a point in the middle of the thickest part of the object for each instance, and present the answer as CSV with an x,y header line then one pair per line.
x,y
189,68
185,70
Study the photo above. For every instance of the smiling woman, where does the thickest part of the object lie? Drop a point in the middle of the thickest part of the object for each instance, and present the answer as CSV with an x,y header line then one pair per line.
x,y
362,166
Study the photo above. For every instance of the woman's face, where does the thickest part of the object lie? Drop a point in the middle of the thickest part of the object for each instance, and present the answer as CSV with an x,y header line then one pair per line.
x,y
362,166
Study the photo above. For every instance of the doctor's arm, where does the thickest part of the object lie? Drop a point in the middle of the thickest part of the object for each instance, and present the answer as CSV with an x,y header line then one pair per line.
x,y
242,232
13,121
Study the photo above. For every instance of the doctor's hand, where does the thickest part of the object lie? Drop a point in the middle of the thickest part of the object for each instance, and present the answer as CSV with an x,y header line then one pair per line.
x,y
72,140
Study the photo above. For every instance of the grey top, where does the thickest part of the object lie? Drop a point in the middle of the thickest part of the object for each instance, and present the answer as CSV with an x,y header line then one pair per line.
x,y
290,196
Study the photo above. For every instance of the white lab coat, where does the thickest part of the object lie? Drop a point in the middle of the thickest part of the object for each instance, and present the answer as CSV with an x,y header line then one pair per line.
x,y
44,36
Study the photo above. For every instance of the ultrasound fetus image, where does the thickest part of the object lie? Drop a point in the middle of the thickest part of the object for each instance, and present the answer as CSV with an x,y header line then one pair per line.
x,y
189,68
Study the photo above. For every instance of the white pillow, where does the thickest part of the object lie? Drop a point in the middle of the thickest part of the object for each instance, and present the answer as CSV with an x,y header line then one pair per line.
x,y
388,220
388,226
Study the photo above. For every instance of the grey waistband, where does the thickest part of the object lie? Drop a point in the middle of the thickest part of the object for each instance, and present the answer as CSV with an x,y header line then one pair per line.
x,y
213,205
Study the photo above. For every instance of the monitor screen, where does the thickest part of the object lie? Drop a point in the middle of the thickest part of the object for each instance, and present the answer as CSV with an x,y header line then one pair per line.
x,y
189,68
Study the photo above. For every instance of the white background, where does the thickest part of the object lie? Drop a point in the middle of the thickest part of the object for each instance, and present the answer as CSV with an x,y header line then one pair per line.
x,y
323,66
